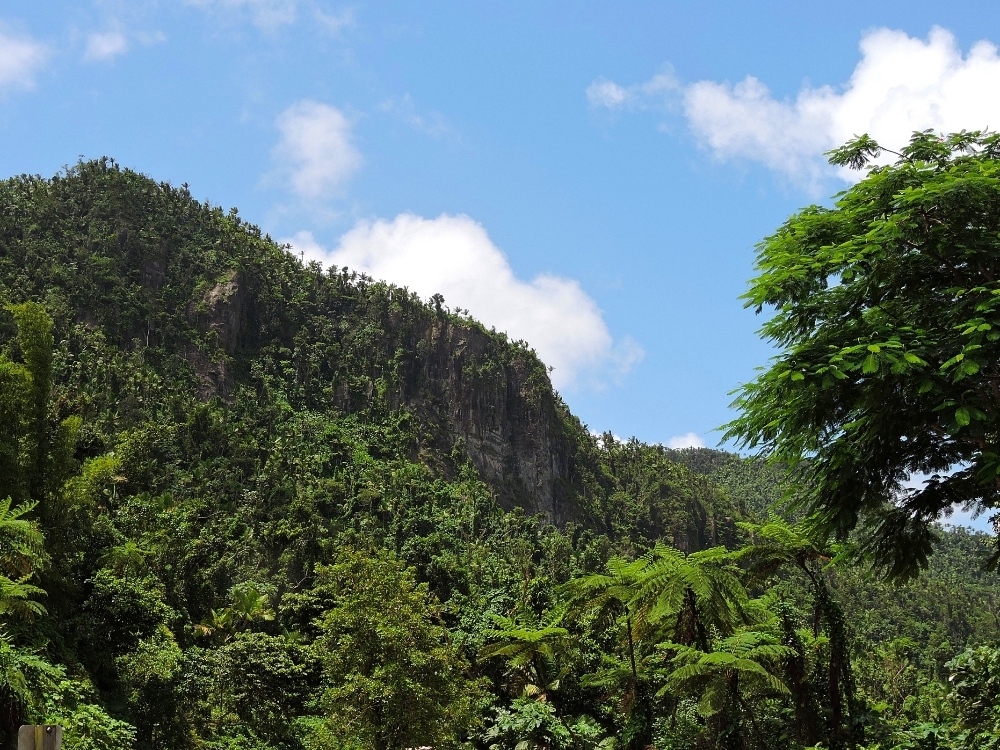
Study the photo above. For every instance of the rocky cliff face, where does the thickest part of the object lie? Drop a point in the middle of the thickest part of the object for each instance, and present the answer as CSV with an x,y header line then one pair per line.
x,y
471,388
219,313
501,408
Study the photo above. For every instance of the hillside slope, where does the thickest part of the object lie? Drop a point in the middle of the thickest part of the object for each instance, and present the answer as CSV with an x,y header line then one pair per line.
x,y
204,297
273,497
222,420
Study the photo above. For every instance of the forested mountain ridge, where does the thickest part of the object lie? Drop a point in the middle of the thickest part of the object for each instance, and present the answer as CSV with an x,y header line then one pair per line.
x,y
200,303
205,297
259,505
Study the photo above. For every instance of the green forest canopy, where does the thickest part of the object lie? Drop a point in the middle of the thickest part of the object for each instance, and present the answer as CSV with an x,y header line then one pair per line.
x,y
258,505
887,317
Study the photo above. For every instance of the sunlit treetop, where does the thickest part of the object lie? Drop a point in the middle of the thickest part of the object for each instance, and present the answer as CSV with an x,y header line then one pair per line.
x,y
886,314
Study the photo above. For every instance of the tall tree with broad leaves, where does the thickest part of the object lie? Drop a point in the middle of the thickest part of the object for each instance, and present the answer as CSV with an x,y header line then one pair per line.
x,y
610,598
887,320
35,341
683,598
22,553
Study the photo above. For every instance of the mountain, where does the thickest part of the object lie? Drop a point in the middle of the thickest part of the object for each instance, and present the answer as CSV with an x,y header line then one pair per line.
x,y
256,504
193,299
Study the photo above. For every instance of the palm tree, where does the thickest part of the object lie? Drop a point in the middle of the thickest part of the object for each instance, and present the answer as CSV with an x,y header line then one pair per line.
x,y
730,679
610,598
778,544
663,596
533,654
683,596
247,606
22,553
218,623
24,678
22,546
16,599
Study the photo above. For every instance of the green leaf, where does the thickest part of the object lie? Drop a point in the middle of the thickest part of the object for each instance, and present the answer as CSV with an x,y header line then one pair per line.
x,y
870,365
962,415
953,361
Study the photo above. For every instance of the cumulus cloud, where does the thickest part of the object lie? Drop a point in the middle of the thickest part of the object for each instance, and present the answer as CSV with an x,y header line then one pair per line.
x,y
105,46
454,256
21,57
688,440
901,84
304,245
316,153
265,14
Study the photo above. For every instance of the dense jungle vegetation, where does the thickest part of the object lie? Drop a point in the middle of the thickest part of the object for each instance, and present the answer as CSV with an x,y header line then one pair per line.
x,y
254,505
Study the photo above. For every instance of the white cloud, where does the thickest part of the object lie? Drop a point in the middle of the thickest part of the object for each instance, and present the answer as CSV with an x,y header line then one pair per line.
x,y
149,38
334,23
270,15
689,440
316,153
454,256
265,14
652,93
105,46
900,85
625,355
308,249
20,59
605,93
433,124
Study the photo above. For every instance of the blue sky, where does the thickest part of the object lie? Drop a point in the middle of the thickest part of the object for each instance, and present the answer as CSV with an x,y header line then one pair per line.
x,y
591,177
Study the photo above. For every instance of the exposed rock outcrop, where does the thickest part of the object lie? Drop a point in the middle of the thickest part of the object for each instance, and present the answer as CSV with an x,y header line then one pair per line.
x,y
469,387
219,315
502,409
225,302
